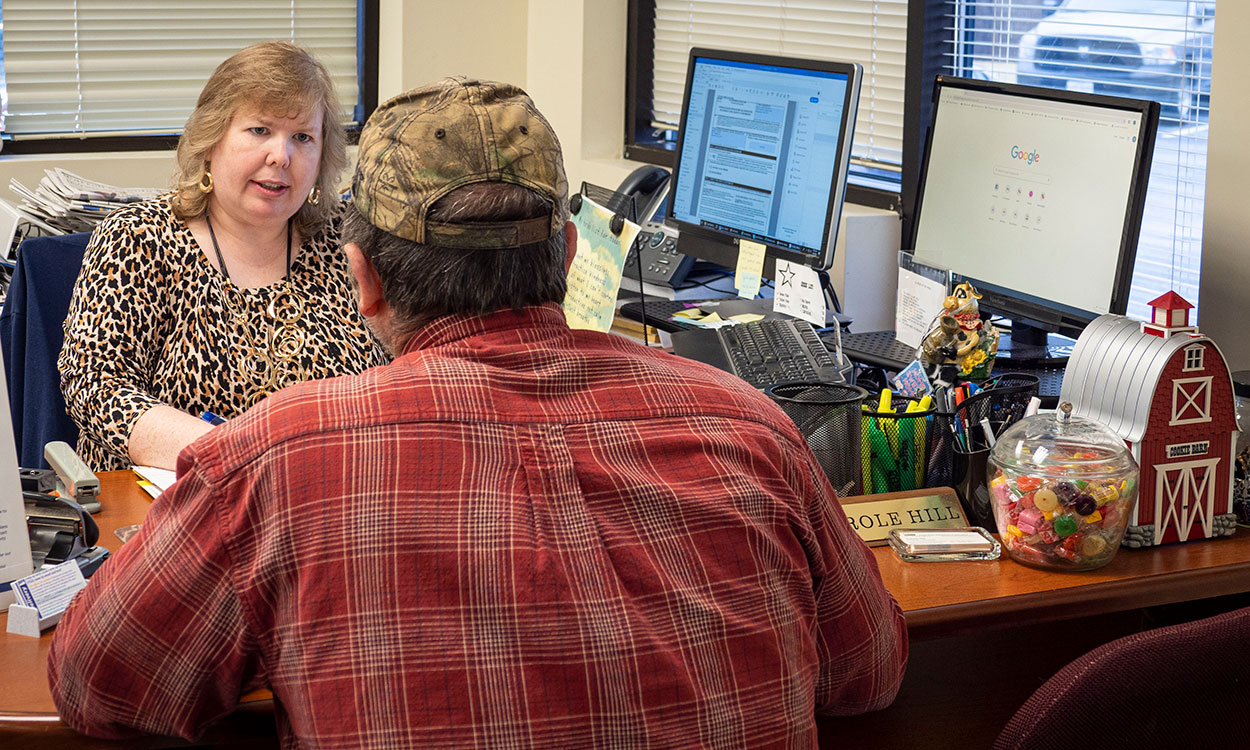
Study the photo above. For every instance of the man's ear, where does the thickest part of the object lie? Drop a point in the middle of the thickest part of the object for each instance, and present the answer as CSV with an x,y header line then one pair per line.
x,y
570,244
369,297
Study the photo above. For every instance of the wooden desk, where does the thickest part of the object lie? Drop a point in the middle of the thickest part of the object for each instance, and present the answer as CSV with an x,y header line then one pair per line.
x,y
984,636
28,717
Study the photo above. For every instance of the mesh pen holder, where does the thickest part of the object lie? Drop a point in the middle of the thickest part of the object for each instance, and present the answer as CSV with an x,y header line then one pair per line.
x,y
959,446
893,450
827,415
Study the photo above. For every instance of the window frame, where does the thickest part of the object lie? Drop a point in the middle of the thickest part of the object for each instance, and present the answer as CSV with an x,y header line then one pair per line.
x,y
639,48
1195,357
367,26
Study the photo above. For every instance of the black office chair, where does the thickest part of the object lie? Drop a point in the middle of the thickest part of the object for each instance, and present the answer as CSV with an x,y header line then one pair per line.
x,y
31,335
1181,686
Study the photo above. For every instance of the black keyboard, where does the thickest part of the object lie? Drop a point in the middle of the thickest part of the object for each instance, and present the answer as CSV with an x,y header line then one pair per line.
x,y
763,353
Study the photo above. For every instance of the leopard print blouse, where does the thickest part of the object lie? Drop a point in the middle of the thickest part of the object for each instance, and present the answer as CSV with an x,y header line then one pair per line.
x,y
152,322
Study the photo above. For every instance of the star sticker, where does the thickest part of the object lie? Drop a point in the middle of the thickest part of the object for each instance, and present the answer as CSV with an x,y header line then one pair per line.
x,y
786,274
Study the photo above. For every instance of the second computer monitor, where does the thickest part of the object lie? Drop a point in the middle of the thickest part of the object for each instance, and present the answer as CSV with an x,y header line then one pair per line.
x,y
762,155
1036,197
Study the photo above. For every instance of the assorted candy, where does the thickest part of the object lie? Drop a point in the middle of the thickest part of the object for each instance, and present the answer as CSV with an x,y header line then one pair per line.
x,y
1063,521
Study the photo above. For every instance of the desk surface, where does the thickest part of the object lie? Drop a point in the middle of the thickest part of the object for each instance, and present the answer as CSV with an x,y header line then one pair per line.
x,y
941,600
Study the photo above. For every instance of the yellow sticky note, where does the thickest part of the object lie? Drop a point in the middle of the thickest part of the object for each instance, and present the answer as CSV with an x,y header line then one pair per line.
x,y
750,268
746,317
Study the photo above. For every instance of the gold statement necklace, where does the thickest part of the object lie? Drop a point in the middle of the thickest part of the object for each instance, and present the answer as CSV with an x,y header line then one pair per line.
x,y
270,340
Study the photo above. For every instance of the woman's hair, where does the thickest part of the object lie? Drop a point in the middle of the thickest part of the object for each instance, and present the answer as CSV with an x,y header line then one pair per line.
x,y
276,78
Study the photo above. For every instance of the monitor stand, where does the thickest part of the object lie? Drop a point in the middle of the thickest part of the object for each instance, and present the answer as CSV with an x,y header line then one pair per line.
x,y
1026,344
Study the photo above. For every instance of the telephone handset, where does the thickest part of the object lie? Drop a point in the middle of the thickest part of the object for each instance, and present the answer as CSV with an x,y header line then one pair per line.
x,y
661,261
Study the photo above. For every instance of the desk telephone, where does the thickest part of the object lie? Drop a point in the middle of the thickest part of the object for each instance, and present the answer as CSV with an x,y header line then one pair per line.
x,y
656,243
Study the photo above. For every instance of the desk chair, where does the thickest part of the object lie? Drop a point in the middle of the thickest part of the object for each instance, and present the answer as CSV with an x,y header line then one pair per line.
x,y
31,336
1181,686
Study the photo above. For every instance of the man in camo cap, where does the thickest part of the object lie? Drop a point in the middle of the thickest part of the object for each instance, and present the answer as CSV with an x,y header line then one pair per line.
x,y
515,534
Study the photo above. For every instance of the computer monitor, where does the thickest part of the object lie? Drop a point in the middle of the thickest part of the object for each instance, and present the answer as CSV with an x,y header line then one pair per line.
x,y
1035,196
762,155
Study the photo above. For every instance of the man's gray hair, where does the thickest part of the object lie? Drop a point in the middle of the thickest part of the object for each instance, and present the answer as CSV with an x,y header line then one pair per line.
x,y
423,282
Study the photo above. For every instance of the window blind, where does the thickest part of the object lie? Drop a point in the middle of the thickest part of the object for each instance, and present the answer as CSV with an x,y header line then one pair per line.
x,y
1146,49
129,67
870,32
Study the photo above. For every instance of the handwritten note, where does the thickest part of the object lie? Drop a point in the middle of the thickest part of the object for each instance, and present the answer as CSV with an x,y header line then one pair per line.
x,y
750,268
595,276
797,293
919,299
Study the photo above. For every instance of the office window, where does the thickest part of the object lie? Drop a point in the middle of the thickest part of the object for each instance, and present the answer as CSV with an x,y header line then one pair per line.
x,y
108,74
1148,49
870,32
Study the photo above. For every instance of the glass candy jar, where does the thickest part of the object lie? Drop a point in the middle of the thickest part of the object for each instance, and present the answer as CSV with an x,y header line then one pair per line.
x,y
1241,460
1062,489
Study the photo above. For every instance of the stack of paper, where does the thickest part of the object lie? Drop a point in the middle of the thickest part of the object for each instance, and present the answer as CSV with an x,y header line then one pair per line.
x,y
65,202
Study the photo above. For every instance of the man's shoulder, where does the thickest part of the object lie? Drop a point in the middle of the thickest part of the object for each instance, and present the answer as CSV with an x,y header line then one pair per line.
x,y
298,412
686,387
611,382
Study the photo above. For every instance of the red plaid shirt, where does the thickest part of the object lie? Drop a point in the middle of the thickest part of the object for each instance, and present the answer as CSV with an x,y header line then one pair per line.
x,y
516,535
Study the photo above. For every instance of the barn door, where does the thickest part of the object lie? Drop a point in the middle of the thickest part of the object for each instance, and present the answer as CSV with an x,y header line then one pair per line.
x,y
1184,495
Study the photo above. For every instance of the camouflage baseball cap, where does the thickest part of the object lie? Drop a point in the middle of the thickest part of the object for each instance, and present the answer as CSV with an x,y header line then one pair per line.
x,y
421,145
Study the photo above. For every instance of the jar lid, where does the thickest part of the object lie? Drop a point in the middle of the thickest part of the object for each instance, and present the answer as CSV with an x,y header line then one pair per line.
x,y
1061,444
1241,383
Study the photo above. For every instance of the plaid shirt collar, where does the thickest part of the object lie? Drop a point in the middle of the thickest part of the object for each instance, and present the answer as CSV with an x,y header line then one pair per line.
x,y
452,328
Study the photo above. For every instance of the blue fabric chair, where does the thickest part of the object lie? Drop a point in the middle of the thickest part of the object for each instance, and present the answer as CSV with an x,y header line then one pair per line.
x,y
31,335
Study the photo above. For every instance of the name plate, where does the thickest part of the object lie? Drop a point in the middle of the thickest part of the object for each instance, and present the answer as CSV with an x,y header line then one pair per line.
x,y
874,516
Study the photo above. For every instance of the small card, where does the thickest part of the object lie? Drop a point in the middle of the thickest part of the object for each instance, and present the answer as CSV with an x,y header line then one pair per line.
x,y
912,381
750,268
798,294
50,589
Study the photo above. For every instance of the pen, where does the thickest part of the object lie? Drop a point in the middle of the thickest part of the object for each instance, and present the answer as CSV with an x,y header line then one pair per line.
x,y
212,418
884,464
959,443
989,432
921,444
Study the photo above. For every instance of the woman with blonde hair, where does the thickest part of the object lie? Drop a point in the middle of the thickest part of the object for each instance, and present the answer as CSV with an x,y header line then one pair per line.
x,y
232,286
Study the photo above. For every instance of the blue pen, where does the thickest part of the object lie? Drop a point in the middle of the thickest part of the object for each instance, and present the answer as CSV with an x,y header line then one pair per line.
x,y
212,418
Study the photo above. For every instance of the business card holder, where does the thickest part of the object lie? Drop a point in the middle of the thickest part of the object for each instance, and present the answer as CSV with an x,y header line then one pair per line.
x,y
944,545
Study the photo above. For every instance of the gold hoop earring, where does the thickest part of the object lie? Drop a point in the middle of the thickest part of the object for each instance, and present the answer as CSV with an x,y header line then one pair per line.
x,y
315,196
206,182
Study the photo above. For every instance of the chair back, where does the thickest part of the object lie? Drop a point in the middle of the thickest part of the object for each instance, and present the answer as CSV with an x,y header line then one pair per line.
x,y
1181,686
31,335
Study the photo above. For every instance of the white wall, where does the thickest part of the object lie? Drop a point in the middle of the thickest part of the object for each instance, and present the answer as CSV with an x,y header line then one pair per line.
x,y
1224,302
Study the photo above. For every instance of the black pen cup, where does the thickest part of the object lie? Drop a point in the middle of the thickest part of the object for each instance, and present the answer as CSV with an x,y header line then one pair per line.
x,y
1001,402
970,483
827,415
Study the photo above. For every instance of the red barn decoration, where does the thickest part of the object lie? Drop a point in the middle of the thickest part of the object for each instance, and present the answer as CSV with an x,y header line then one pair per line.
x,y
1170,315
1167,390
